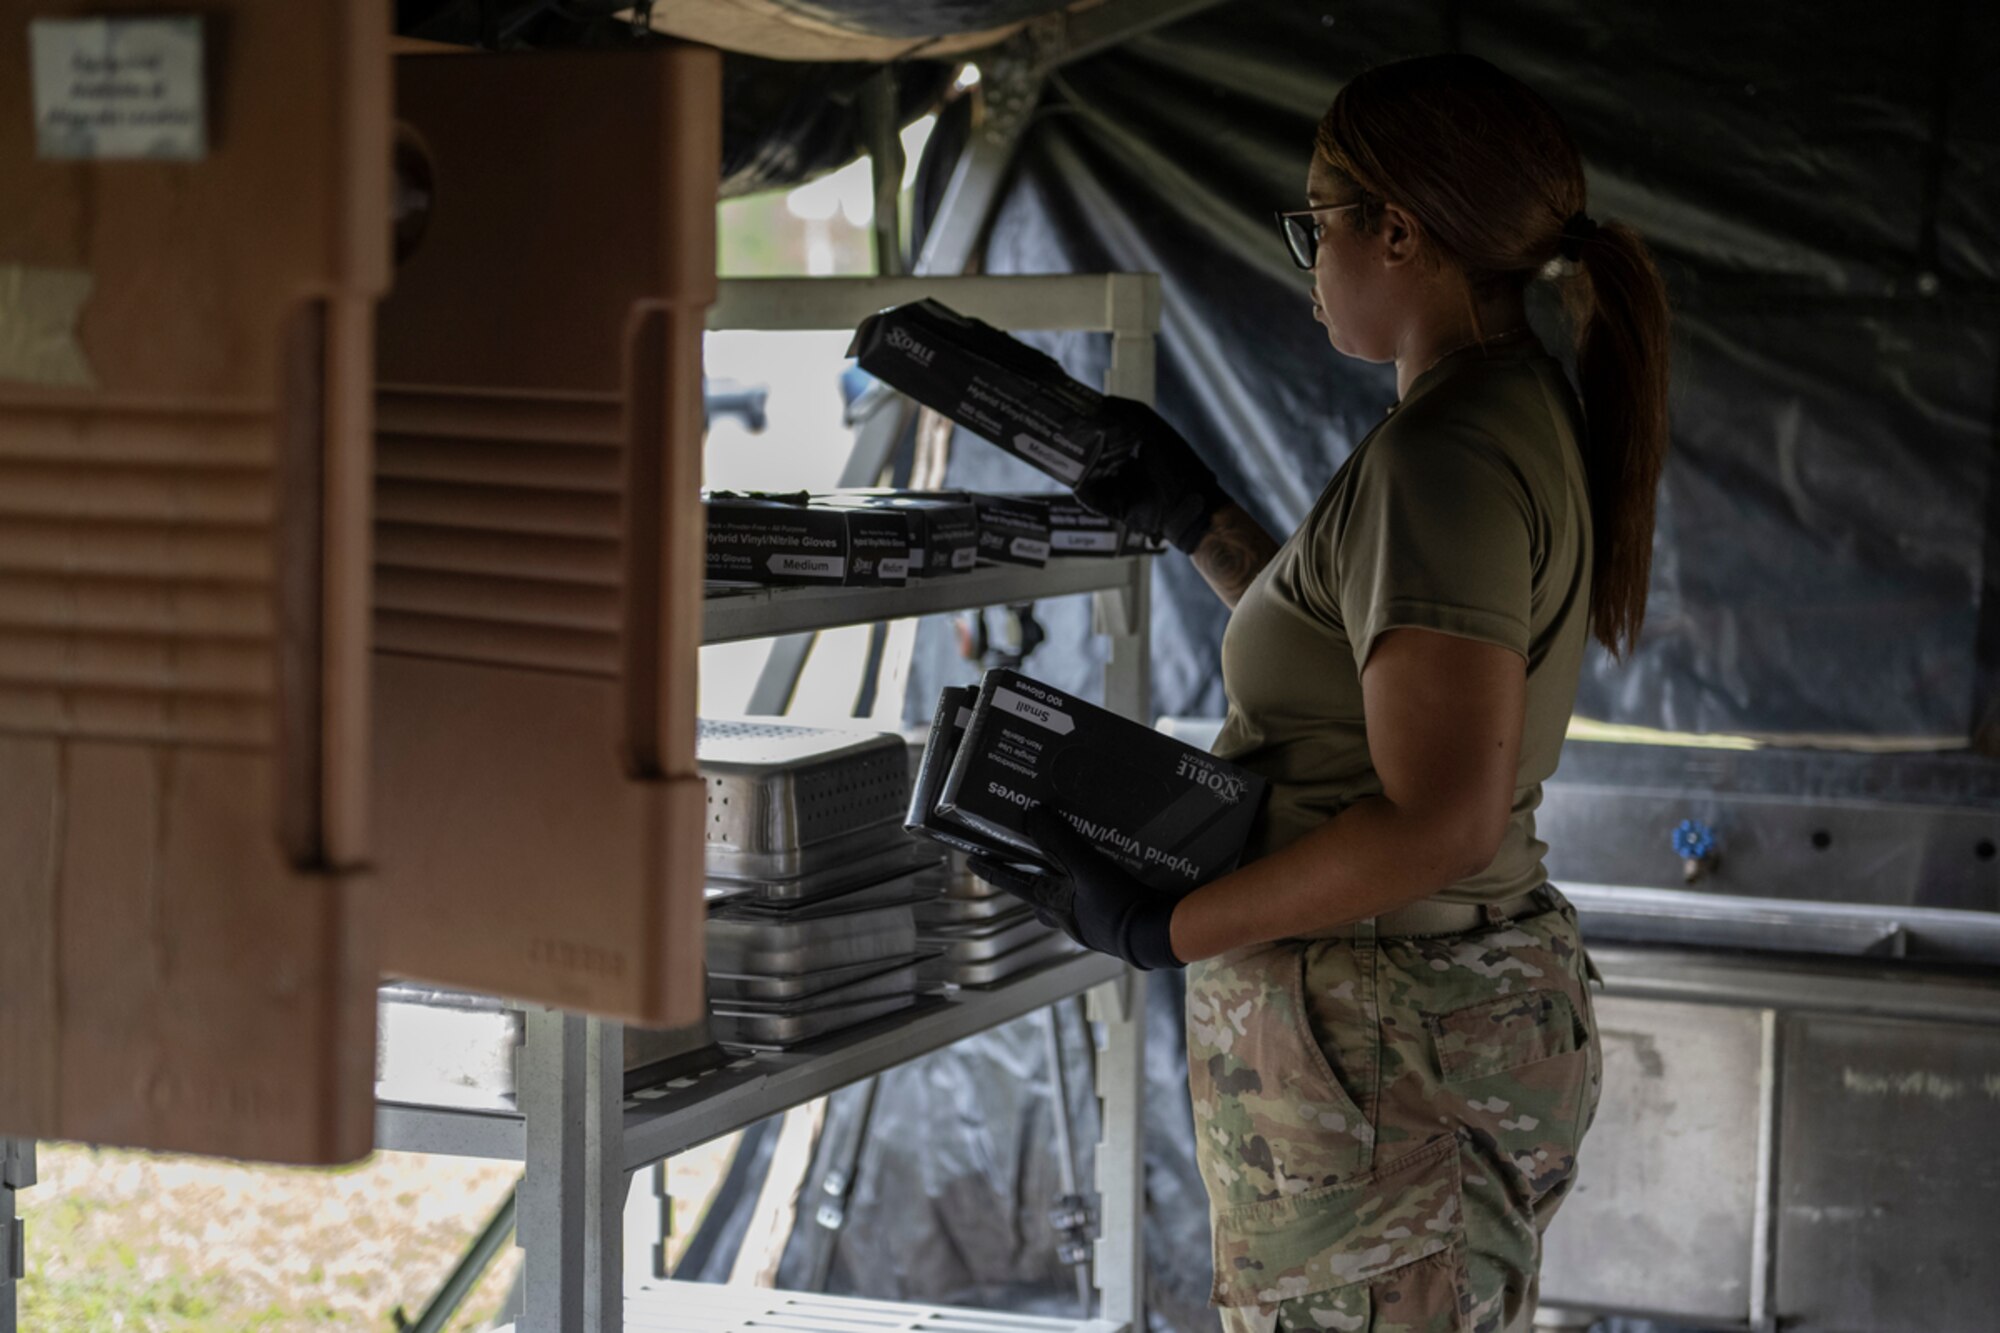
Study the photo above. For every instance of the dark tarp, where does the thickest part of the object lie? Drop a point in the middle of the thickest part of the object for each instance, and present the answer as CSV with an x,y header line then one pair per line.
x,y
952,1189
785,121
920,18
1825,197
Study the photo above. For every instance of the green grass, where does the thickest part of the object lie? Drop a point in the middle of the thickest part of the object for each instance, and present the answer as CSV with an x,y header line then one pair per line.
x,y
143,1243
116,1302
130,1242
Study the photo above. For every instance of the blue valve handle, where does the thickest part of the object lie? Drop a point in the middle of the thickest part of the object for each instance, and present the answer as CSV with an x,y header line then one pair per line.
x,y
1693,840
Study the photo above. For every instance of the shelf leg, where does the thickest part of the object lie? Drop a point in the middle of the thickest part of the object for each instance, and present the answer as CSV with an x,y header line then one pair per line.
x,y
1123,616
1117,1008
1065,1150
17,1172
572,1195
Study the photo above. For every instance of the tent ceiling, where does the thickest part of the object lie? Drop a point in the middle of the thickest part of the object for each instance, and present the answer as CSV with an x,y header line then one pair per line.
x,y
875,30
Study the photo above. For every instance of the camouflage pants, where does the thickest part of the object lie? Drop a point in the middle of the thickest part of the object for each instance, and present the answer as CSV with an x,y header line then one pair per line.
x,y
1386,1126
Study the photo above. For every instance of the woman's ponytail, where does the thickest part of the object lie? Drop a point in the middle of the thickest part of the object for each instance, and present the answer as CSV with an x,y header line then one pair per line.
x,y
1618,307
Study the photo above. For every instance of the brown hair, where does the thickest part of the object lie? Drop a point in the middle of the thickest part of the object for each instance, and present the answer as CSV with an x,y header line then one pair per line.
x,y
1493,179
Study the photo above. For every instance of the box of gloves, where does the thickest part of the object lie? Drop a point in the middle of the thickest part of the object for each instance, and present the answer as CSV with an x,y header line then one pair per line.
x,y
1075,529
944,525
782,539
1174,815
1013,530
995,386
948,725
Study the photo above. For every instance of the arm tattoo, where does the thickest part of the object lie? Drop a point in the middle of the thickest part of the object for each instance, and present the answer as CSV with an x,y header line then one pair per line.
x,y
1232,552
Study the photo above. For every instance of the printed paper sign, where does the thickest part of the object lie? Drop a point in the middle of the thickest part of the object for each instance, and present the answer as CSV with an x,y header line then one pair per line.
x,y
118,88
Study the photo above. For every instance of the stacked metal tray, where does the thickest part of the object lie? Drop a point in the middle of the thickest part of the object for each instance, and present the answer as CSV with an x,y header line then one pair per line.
x,y
813,884
976,935
980,935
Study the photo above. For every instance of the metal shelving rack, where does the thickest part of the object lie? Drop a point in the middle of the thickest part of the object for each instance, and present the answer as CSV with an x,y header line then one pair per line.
x,y
766,613
17,1172
575,1128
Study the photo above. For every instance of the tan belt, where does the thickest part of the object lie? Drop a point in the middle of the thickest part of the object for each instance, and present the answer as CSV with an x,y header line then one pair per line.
x,y
1431,917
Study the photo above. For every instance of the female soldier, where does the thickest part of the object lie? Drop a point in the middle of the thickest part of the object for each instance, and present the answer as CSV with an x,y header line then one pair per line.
x,y
1390,1042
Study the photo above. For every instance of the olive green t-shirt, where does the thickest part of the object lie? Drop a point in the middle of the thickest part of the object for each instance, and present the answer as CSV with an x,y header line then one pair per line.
x,y
1465,511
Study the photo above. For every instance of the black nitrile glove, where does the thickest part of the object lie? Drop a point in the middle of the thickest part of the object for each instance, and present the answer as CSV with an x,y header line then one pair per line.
x,y
1090,897
1164,490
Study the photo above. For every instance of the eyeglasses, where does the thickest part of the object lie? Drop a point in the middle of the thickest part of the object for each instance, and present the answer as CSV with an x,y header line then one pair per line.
x,y
1302,229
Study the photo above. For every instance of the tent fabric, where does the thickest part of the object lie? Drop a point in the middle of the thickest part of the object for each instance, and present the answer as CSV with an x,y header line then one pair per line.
x,y
1825,201
952,1189
784,122
917,18
875,30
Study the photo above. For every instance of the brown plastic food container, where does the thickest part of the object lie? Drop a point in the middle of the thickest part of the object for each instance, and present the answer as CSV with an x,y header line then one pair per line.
x,y
185,377
539,547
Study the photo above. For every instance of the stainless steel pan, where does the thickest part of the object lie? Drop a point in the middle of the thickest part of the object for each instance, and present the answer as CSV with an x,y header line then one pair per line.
x,y
781,1031
987,939
895,981
948,911
757,990
903,860
742,944
993,971
786,801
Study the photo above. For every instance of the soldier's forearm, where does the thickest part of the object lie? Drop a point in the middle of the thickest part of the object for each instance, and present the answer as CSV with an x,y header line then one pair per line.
x,y
1374,857
1235,548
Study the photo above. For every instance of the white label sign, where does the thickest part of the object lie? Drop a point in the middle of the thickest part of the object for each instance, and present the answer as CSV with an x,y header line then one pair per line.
x,y
1052,461
807,566
118,88
1103,543
1006,701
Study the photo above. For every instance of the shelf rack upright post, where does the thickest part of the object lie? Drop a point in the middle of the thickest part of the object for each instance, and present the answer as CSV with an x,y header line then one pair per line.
x,y
580,1133
17,1172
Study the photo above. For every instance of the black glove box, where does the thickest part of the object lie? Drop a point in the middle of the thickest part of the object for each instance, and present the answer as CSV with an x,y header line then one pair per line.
x,y
1175,816
1075,529
944,528
781,539
995,386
